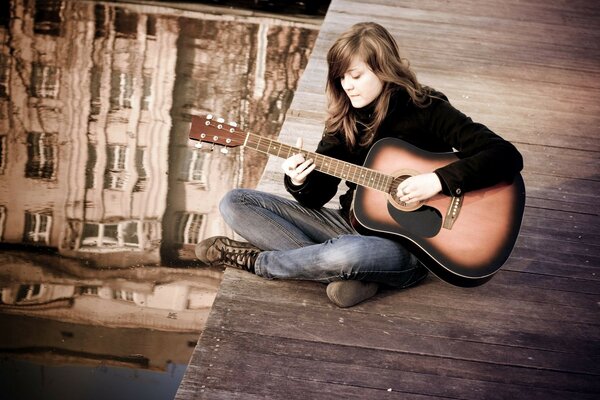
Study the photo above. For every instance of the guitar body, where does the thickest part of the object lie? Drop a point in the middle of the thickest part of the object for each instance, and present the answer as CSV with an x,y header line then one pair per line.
x,y
479,241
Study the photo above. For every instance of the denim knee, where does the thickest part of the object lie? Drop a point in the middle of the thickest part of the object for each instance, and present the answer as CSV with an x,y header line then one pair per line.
x,y
231,204
232,197
344,254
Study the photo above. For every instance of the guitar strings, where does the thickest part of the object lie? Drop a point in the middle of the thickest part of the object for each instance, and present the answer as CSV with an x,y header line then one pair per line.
x,y
341,169
329,165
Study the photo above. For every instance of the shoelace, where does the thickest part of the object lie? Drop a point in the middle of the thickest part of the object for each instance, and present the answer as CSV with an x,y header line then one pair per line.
x,y
239,258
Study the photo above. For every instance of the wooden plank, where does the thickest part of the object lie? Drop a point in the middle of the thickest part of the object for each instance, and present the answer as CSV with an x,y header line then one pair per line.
x,y
576,234
467,326
559,205
544,269
334,371
582,191
554,251
555,13
511,276
242,343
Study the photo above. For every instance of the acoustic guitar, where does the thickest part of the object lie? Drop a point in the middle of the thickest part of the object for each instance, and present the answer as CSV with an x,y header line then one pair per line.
x,y
463,240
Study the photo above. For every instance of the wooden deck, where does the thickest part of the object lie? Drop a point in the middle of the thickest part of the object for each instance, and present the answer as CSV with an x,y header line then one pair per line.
x,y
530,70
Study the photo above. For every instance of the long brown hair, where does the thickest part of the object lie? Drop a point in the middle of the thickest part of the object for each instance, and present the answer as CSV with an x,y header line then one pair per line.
x,y
374,45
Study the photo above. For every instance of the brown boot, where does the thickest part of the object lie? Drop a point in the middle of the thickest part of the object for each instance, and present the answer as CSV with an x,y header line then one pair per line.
x,y
220,250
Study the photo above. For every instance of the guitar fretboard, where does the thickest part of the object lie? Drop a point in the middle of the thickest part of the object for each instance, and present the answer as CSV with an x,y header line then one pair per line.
x,y
341,169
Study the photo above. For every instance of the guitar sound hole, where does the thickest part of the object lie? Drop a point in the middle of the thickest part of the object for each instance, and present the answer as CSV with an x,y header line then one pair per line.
x,y
393,192
394,188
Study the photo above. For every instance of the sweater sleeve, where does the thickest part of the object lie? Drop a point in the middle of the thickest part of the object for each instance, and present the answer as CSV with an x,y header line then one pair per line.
x,y
485,159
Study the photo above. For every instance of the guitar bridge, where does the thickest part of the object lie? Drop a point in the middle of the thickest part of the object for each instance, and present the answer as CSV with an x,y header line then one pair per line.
x,y
452,212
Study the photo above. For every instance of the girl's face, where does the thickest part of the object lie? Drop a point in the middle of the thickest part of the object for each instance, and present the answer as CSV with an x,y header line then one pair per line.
x,y
361,84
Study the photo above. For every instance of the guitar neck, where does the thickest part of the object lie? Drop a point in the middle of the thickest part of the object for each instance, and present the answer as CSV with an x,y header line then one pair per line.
x,y
341,169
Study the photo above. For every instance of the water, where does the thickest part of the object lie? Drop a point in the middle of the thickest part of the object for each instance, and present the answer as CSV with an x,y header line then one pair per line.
x,y
102,197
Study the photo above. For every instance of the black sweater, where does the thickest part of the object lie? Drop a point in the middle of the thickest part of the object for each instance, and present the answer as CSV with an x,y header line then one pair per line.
x,y
485,159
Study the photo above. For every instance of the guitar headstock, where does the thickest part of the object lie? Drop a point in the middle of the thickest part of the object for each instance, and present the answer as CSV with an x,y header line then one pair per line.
x,y
214,130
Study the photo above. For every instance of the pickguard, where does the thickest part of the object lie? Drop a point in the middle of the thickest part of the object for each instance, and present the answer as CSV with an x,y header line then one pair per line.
x,y
424,222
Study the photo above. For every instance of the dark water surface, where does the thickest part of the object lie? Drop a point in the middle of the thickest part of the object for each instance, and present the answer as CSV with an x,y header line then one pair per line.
x,y
102,198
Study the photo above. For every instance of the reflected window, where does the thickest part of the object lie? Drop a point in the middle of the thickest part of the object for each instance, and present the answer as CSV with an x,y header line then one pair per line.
x,y
117,156
147,91
2,153
111,234
190,228
5,13
47,18
116,236
4,75
90,166
100,17
45,80
41,155
128,234
140,166
37,227
126,23
121,90
152,230
28,293
123,295
151,27
115,175
88,290
91,235
95,87
2,222
195,166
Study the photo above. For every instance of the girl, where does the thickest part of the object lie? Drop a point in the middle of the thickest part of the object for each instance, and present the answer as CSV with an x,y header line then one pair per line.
x,y
372,93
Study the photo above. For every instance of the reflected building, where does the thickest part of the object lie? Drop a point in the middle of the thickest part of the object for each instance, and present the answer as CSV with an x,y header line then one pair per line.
x,y
31,199
97,175
173,300
95,113
245,73
123,179
177,300
85,142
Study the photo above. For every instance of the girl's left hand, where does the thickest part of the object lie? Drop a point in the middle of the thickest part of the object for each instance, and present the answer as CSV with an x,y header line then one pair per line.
x,y
419,188
296,167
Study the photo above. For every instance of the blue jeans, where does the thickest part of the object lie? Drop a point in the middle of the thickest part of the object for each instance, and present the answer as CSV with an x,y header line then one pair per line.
x,y
314,244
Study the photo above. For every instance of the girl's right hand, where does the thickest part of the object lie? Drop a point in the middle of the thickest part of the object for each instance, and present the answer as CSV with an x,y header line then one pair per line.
x,y
296,167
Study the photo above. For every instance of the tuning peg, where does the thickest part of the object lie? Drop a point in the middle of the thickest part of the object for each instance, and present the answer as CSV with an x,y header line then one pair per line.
x,y
198,145
209,116
224,150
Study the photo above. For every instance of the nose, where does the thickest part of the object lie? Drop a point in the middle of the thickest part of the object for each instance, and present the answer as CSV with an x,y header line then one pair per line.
x,y
347,84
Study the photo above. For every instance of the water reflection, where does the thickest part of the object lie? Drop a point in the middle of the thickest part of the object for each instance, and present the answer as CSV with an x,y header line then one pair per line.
x,y
101,196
